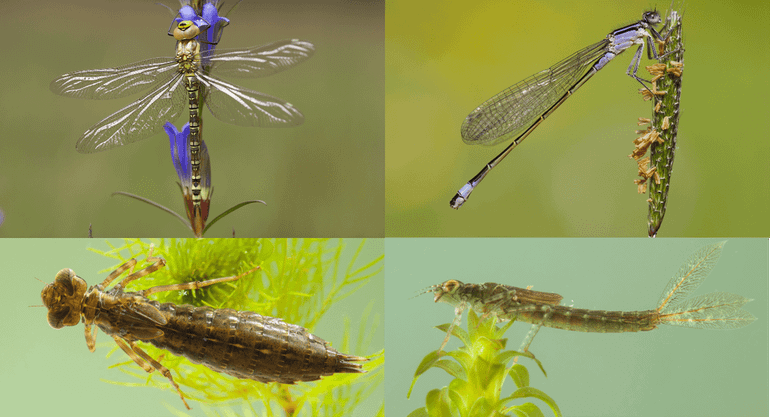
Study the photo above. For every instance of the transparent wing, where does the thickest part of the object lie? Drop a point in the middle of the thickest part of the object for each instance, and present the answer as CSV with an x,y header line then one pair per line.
x,y
114,82
512,111
243,107
140,119
259,61
689,277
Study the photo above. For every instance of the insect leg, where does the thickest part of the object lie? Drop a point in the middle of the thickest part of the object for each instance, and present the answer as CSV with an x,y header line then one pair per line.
x,y
530,337
158,264
458,317
117,272
142,358
534,329
193,285
90,336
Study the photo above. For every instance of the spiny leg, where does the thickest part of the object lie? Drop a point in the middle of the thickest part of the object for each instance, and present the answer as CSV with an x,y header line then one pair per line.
x,y
90,336
158,263
142,358
524,348
118,271
456,322
193,285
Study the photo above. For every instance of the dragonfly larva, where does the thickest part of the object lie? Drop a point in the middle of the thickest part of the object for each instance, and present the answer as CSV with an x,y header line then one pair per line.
x,y
239,343
717,310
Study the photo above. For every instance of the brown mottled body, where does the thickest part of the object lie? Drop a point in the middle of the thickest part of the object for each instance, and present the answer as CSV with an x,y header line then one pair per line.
x,y
594,321
239,343
540,308
713,311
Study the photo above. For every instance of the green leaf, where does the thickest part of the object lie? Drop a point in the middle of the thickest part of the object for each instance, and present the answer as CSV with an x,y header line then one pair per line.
x,y
479,375
457,332
481,408
438,403
520,375
427,363
531,356
526,410
464,358
452,368
456,398
504,357
230,210
154,204
420,412
529,392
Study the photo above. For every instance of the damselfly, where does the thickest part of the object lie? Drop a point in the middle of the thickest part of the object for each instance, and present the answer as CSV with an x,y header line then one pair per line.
x,y
516,111
239,343
717,310
182,79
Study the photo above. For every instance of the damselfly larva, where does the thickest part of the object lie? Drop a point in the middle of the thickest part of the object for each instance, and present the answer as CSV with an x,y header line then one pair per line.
x,y
239,343
716,310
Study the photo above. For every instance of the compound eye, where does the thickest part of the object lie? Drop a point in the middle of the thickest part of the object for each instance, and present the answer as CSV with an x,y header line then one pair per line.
x,y
186,30
451,285
652,17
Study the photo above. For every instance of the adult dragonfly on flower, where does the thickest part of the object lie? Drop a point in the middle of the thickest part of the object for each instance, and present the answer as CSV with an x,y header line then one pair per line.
x,y
186,78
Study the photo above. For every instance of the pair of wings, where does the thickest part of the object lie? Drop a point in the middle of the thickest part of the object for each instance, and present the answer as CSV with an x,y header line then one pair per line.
x,y
167,99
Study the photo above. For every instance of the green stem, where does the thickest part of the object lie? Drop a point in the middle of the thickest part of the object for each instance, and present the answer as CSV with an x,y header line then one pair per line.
x,y
665,121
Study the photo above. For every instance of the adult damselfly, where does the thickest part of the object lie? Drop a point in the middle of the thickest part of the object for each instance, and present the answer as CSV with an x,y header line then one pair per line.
x,y
515,112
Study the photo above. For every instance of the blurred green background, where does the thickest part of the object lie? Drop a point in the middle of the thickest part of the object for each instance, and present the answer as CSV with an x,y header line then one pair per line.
x,y
669,371
572,176
324,178
51,372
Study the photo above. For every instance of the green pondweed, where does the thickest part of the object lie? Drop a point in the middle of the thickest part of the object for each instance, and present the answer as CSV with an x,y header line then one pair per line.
x,y
299,281
660,136
480,368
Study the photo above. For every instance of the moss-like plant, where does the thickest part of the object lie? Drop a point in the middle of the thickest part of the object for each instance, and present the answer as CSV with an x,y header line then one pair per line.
x,y
480,368
298,281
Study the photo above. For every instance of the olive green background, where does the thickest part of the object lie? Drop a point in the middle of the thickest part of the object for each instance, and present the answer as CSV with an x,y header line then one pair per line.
x,y
51,372
669,371
572,176
322,179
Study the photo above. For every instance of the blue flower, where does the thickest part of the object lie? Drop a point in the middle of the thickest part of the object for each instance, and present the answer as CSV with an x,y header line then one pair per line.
x,y
188,13
211,15
180,156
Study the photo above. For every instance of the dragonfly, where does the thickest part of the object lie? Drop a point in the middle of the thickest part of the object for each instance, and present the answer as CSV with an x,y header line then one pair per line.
x,y
718,310
184,82
243,344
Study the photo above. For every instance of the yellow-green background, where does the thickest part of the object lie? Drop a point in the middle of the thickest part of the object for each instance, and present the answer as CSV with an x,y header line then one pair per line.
x,y
324,178
572,176
52,372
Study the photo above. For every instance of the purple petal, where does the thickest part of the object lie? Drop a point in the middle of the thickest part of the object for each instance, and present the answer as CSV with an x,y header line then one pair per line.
x,y
188,13
180,155
211,15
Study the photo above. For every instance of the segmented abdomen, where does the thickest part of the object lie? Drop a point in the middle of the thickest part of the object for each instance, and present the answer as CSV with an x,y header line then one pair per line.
x,y
582,320
247,345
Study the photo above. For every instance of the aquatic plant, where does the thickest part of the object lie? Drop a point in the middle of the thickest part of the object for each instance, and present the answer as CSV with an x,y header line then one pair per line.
x,y
480,368
299,282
